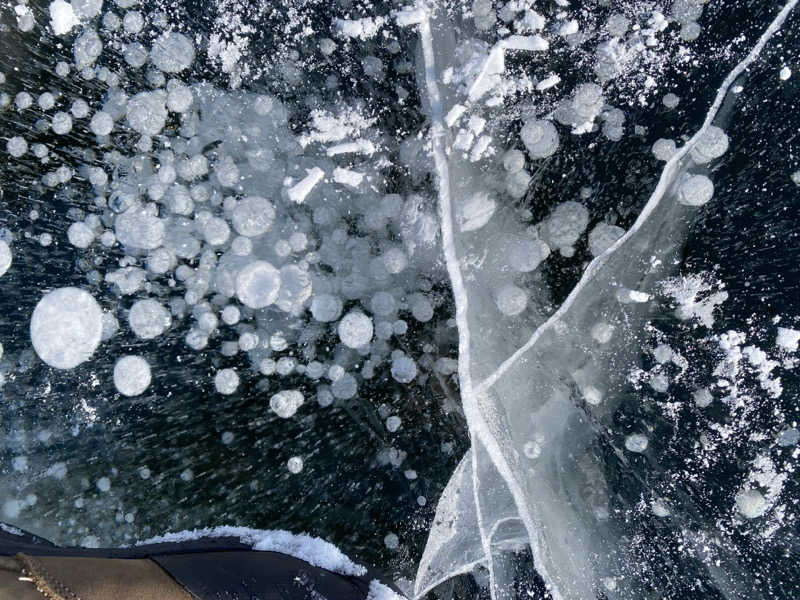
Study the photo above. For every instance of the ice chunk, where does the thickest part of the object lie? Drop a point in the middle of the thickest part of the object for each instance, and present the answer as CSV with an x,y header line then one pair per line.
x,y
131,375
226,381
253,216
540,138
300,191
5,259
627,296
493,65
147,113
660,510
62,17
455,114
477,211
548,82
347,177
530,43
148,319
355,329
363,29
356,147
172,52
695,190
258,284
66,327
286,402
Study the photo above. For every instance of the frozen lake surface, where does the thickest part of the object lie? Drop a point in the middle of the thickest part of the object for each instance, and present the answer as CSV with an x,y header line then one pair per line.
x,y
501,298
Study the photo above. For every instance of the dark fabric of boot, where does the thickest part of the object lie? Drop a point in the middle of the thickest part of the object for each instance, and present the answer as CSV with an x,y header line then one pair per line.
x,y
31,568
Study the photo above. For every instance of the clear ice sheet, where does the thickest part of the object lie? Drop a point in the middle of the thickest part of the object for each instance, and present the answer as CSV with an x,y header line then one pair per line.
x,y
556,387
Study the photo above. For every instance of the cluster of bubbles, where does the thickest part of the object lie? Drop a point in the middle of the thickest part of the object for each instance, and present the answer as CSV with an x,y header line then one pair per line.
x,y
233,223
283,240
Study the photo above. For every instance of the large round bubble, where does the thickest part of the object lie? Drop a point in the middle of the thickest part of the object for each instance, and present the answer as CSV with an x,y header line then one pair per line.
x,y
66,327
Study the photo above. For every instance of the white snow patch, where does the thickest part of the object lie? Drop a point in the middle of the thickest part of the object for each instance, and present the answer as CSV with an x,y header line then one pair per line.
x,y
313,550
298,192
62,17
788,339
362,29
378,591
687,292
